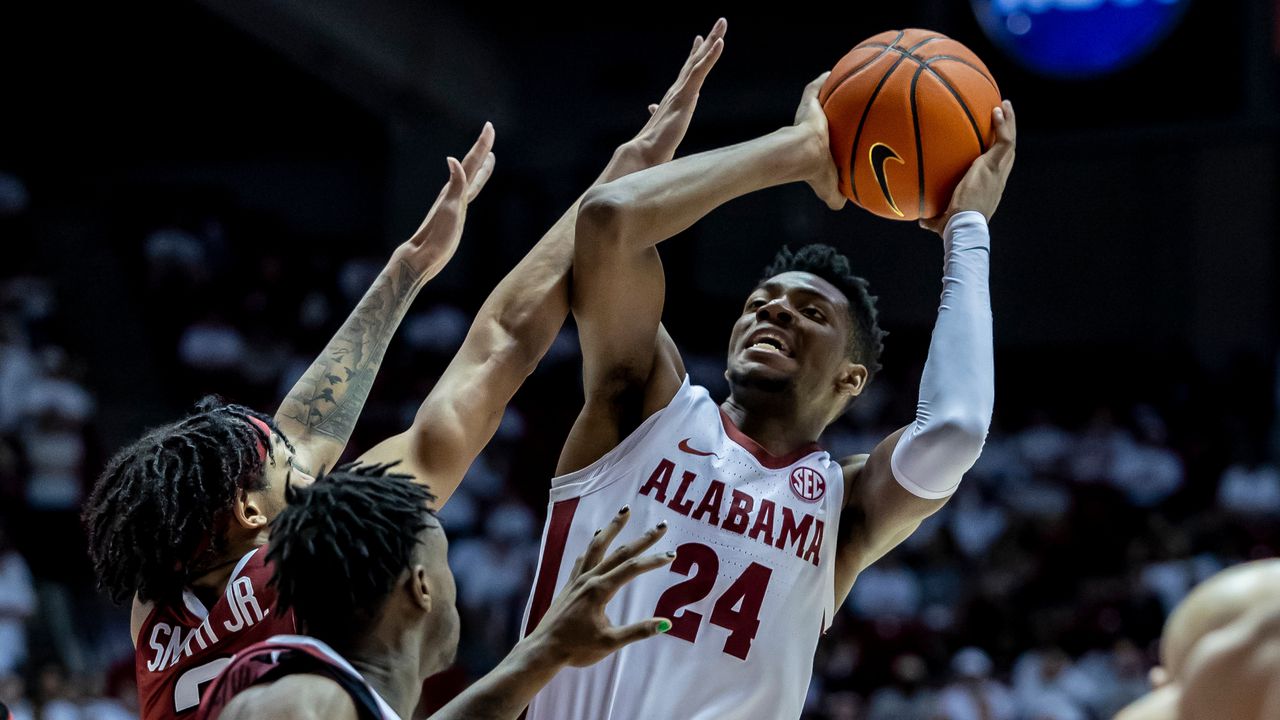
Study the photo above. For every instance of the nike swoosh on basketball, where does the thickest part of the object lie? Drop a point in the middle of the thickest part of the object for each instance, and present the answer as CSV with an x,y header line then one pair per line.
x,y
879,155
684,445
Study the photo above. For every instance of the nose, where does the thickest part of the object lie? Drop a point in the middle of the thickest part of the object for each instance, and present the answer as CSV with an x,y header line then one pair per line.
x,y
778,311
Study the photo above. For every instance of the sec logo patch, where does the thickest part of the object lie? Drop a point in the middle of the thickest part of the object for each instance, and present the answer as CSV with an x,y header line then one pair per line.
x,y
808,484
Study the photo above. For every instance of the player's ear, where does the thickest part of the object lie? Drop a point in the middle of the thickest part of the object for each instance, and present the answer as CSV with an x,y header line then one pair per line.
x,y
852,380
1158,676
249,510
420,588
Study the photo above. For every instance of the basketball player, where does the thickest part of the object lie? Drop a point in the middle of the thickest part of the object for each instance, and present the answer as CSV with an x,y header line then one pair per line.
x,y
771,532
379,609
1220,651
177,519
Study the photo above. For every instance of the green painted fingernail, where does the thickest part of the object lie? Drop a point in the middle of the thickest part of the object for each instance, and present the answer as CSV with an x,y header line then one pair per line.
x,y
664,625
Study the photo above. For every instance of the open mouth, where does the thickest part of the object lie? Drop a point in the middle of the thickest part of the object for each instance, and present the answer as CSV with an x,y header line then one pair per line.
x,y
769,343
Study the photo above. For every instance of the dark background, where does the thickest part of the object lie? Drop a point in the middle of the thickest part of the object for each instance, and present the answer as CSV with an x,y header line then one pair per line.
x,y
1135,238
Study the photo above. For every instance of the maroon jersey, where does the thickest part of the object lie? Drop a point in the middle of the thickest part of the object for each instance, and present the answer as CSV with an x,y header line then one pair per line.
x,y
182,647
284,655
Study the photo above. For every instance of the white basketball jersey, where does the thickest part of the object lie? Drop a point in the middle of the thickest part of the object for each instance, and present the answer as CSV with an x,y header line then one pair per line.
x,y
750,591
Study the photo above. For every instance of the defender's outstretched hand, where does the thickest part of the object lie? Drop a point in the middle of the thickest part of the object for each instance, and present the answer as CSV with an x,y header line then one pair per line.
x,y
575,630
982,186
657,141
436,239
810,118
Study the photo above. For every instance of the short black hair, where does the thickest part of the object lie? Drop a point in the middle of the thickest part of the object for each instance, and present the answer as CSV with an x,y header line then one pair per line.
x,y
154,514
866,342
340,545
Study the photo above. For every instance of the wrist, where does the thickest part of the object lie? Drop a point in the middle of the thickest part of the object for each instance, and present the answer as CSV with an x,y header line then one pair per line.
x,y
534,655
403,260
627,158
964,229
800,153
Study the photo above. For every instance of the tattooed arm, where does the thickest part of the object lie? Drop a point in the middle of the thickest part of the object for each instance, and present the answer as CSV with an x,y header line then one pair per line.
x,y
321,410
521,317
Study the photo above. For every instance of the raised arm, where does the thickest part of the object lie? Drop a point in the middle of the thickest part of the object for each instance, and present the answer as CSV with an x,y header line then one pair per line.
x,y
522,316
913,472
320,411
574,632
618,279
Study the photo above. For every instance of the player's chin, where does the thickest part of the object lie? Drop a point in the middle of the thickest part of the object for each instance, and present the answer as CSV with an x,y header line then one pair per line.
x,y
769,359
767,375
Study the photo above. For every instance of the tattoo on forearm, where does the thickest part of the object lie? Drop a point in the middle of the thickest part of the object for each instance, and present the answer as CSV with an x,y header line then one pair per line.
x,y
329,396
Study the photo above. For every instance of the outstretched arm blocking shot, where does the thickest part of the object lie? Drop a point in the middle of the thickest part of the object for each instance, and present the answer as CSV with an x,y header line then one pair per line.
x,y
321,410
520,319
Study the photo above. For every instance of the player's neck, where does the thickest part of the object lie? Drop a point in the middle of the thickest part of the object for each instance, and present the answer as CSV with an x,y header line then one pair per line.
x,y
214,580
778,431
392,666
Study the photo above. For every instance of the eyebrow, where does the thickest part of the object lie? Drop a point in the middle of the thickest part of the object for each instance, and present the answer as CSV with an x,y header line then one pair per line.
x,y
776,287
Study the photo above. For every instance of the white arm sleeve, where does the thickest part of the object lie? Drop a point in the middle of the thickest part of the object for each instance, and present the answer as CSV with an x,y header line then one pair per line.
x,y
957,389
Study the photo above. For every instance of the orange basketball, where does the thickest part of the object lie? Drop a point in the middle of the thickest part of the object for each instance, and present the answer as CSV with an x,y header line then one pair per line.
x,y
908,111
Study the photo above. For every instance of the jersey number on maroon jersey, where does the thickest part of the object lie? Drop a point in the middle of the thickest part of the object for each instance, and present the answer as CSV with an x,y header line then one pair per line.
x,y
186,693
746,594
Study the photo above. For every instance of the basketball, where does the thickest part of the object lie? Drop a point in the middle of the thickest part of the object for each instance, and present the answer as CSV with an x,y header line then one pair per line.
x,y
908,112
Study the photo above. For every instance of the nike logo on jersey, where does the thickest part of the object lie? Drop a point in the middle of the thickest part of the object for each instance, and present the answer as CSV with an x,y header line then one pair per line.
x,y
684,446
879,155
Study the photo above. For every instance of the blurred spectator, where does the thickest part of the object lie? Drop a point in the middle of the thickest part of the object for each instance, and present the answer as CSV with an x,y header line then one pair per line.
x,y
18,370
1118,677
908,698
13,693
174,255
100,704
1046,687
974,695
1043,445
1171,580
57,695
1147,472
14,197
975,522
1251,489
886,589
211,345
55,411
440,329
494,570
17,604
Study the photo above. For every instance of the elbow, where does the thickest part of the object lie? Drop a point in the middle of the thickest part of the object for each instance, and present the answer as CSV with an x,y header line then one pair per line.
x,y
516,354
963,433
601,216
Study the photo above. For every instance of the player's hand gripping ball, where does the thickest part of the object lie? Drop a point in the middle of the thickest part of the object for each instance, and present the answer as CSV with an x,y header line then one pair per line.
x,y
908,111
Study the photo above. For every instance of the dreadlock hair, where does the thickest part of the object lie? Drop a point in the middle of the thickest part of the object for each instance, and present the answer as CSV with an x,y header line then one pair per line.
x,y
866,342
341,544
155,515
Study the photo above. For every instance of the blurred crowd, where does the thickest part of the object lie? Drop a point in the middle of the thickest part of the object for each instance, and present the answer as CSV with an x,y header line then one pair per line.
x,y
1037,593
